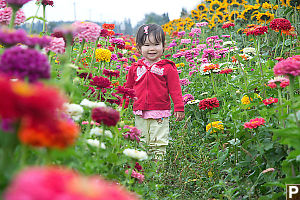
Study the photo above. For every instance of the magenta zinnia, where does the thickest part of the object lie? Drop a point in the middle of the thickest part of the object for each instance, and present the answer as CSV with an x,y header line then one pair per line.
x,y
106,115
270,100
100,82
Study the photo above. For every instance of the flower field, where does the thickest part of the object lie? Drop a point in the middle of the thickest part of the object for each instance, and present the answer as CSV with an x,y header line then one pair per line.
x,y
67,125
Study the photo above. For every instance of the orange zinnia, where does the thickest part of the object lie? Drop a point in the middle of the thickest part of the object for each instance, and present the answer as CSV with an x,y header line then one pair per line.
x,y
210,67
108,26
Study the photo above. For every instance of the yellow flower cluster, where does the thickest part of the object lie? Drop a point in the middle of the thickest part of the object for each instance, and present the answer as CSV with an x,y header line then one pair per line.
x,y
246,100
180,65
1,47
217,126
103,55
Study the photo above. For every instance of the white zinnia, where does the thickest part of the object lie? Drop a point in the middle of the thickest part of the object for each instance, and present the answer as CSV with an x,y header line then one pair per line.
x,y
96,143
227,43
249,50
139,155
73,110
99,131
193,102
91,104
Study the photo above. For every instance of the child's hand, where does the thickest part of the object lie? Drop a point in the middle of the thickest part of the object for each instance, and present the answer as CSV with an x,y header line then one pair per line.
x,y
179,115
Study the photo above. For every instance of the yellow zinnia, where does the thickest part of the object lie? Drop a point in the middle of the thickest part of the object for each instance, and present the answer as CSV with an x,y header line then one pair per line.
x,y
103,55
246,100
217,126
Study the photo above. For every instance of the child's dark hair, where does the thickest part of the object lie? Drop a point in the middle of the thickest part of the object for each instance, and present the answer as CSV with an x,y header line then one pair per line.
x,y
149,29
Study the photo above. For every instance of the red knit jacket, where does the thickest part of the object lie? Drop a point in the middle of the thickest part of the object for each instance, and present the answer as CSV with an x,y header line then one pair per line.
x,y
154,84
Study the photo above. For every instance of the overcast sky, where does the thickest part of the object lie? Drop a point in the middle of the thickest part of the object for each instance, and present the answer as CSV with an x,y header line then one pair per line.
x,y
110,10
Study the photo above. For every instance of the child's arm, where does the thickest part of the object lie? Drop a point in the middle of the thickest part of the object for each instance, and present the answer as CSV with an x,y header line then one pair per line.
x,y
175,92
130,78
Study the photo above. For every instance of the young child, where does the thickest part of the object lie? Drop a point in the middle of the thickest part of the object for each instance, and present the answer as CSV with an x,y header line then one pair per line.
x,y
154,80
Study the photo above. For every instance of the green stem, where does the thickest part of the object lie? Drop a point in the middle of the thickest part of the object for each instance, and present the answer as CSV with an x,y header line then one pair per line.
x,y
92,61
212,80
291,91
280,111
276,46
44,16
80,52
283,42
13,17
37,10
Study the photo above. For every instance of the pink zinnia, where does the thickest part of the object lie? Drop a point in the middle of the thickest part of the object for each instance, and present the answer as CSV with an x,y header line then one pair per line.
x,y
270,100
6,13
184,81
132,134
290,66
201,24
283,82
2,4
254,123
87,30
53,183
57,45
140,177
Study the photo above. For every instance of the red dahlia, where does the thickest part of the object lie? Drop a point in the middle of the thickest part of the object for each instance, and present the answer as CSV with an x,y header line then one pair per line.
x,y
280,24
100,82
208,103
106,115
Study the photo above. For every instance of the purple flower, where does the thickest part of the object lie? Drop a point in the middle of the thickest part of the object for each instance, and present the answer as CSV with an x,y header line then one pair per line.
x,y
181,33
18,3
132,134
209,53
37,40
25,63
184,81
10,38
187,97
114,57
120,43
201,24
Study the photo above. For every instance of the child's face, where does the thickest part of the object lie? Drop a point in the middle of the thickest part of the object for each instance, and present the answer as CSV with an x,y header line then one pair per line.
x,y
152,50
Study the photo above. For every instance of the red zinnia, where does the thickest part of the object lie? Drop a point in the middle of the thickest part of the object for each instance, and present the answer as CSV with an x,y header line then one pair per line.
x,y
254,123
208,103
280,24
106,115
111,73
270,101
100,82
226,71
127,92
257,30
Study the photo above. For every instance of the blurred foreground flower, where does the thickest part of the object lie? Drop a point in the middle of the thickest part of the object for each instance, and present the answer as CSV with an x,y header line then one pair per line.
x,y
24,63
86,30
53,183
